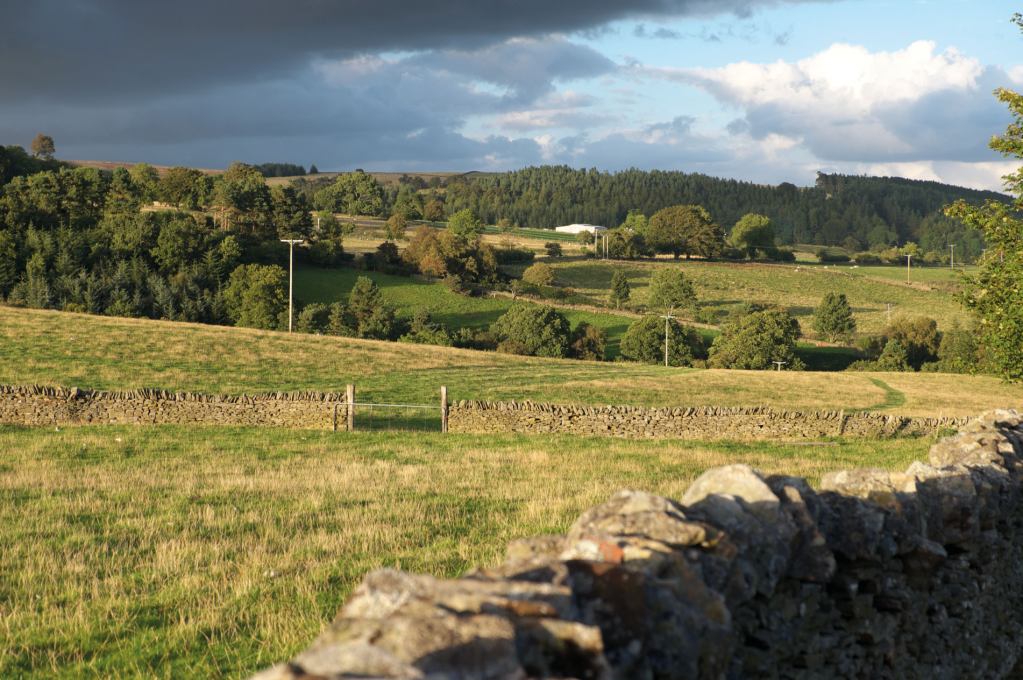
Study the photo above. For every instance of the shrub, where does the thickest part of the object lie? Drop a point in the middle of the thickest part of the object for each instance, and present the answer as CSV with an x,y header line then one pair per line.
x,y
786,255
872,345
455,284
337,323
754,341
588,342
314,318
866,259
388,251
707,315
824,255
893,358
540,274
542,330
553,249
438,337
513,347
512,255
644,342
326,252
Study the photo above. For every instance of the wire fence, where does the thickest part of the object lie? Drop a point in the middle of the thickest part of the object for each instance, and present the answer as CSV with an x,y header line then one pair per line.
x,y
398,417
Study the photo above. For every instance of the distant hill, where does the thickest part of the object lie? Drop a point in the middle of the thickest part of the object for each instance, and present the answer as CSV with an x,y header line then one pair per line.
x,y
869,210
109,166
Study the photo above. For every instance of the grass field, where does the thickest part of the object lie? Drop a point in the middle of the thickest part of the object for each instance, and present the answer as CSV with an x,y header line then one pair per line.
x,y
173,552
454,311
59,348
797,287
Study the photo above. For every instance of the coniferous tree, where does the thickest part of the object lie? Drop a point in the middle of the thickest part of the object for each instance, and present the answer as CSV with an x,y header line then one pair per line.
x,y
833,317
620,291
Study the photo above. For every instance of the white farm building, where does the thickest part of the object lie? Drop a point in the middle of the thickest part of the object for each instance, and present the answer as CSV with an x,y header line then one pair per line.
x,y
579,228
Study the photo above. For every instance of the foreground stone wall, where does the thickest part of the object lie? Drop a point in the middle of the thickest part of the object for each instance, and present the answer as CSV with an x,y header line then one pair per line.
x,y
50,406
916,574
683,423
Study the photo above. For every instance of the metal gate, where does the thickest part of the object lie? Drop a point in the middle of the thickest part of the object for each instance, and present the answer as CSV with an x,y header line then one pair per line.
x,y
399,417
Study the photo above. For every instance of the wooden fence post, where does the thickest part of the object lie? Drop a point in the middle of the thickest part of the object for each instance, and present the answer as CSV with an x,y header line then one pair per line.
x,y
351,408
443,408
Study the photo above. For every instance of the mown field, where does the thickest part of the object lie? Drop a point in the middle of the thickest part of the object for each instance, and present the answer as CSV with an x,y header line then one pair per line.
x,y
798,287
172,552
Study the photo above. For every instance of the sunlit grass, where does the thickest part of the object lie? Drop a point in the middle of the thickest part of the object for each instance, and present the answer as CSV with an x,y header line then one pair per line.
x,y
211,553
57,348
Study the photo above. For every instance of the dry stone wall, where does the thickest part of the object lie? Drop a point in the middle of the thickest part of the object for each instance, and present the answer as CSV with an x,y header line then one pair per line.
x,y
50,406
877,574
683,423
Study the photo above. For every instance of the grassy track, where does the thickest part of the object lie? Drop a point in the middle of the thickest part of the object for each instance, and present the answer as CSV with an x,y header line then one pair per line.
x,y
799,289
210,553
57,348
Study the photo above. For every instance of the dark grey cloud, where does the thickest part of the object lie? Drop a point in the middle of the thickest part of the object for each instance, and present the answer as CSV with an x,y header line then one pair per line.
x,y
65,50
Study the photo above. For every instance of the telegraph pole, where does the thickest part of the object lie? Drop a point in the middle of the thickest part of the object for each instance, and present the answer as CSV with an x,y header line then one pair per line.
x,y
291,278
952,258
666,318
909,258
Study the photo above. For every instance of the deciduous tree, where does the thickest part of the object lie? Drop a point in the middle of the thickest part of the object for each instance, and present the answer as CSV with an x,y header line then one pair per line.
x,y
42,146
995,295
684,230
671,290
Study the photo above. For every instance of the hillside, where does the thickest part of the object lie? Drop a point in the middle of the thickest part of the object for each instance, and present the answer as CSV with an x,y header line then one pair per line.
x,y
55,348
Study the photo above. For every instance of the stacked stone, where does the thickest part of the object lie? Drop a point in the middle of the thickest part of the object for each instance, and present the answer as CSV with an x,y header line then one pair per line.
x,y
49,406
877,575
709,422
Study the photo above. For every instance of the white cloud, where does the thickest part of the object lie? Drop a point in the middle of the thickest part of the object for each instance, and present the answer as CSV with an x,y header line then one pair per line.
x,y
848,104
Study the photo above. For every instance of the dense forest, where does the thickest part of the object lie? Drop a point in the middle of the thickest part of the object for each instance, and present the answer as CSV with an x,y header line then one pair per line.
x,y
872,210
80,239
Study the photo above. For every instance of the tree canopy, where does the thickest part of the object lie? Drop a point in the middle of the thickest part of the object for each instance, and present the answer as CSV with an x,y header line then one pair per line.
x,y
995,295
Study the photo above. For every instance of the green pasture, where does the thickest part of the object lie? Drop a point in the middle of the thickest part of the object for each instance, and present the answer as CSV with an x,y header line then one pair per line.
x,y
798,287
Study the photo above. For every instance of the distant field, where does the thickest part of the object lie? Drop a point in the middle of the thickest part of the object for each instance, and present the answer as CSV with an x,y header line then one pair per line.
x,y
797,287
386,179
59,348
211,553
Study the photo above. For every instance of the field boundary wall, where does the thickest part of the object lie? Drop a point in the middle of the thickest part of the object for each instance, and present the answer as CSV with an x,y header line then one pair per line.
x,y
53,406
914,575
707,422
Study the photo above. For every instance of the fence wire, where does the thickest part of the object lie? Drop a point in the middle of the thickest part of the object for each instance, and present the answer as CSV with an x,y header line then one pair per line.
x,y
398,417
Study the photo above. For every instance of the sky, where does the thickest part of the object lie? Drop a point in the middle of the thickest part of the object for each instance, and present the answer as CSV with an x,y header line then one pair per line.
x,y
754,90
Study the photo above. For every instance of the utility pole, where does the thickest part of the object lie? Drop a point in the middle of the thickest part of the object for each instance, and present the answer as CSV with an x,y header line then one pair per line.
x,y
952,258
779,364
291,278
666,318
909,258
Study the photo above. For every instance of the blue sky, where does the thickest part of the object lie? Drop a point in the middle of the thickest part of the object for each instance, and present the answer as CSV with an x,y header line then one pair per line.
x,y
758,91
